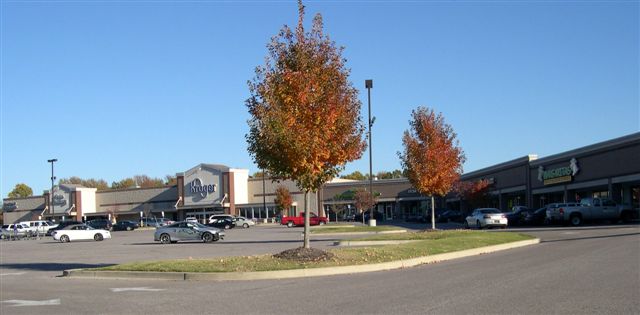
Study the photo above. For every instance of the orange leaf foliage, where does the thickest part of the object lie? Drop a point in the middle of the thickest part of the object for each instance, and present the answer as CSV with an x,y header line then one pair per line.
x,y
305,115
431,159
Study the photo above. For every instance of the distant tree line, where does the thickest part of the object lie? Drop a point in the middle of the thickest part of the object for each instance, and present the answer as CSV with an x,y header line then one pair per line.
x,y
138,181
357,175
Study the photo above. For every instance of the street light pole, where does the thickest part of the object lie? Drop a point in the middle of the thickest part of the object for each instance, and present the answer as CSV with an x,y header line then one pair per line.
x,y
372,221
53,178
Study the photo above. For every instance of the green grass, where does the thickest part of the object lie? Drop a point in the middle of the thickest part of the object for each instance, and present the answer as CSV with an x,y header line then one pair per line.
x,y
432,243
347,229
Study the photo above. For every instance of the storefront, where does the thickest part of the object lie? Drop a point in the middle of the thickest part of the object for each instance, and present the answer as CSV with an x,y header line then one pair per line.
x,y
608,169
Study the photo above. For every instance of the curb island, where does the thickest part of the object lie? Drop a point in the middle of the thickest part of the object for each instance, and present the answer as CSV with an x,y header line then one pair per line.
x,y
293,273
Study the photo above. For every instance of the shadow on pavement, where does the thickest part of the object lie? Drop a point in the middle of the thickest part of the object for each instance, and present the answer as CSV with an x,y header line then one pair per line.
x,y
51,266
590,237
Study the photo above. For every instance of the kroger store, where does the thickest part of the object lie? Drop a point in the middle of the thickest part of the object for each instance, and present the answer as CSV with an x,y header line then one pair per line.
x,y
607,169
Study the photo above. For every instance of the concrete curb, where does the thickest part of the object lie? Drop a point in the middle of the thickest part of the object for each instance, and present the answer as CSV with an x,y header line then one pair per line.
x,y
295,273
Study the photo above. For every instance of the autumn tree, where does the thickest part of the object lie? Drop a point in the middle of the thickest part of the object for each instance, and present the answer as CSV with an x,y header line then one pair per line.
x,y
99,184
363,200
21,191
432,159
475,193
283,200
170,180
305,120
356,175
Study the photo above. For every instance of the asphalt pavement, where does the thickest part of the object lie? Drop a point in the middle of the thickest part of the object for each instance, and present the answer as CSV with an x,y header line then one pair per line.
x,y
585,270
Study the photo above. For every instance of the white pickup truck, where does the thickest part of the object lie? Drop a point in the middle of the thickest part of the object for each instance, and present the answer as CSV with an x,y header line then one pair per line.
x,y
590,209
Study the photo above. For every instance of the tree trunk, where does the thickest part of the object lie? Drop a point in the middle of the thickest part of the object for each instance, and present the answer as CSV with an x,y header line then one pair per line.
x,y
306,221
433,214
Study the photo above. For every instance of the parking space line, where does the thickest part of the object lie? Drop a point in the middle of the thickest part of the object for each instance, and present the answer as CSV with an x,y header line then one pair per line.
x,y
32,303
136,289
12,274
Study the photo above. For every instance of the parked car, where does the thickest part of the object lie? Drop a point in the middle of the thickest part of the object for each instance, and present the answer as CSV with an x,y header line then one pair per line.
x,y
554,211
155,222
8,231
450,216
486,217
517,214
79,232
244,222
125,226
314,219
537,217
187,231
103,224
221,216
222,224
39,226
61,225
594,209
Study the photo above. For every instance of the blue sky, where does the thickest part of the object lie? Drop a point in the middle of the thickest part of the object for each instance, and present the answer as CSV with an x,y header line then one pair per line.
x,y
117,88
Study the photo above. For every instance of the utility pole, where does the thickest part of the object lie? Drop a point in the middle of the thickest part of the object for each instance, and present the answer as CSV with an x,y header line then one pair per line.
x,y
53,178
372,219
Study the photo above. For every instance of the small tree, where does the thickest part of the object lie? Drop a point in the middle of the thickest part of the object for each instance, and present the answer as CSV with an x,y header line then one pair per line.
x,y
283,200
476,193
305,114
21,191
363,201
431,159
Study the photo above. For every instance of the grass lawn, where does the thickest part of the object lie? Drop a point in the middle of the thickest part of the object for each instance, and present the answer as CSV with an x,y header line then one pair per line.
x,y
347,229
433,243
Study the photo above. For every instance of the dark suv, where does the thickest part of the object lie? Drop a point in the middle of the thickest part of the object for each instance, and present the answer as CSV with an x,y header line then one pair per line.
x,y
61,225
103,224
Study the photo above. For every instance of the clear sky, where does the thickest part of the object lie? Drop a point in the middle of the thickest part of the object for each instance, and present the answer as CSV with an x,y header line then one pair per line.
x,y
117,88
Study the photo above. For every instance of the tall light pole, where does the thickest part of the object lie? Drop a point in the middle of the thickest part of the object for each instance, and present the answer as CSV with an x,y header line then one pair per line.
x,y
369,85
53,178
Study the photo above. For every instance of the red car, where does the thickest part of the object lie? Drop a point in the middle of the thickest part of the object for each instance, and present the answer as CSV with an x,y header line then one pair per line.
x,y
299,220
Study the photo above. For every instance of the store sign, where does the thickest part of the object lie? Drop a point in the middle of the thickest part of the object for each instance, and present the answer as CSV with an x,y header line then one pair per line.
x,y
9,206
198,188
58,200
558,175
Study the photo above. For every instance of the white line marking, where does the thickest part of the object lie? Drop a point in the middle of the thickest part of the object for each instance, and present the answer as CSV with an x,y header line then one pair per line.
x,y
32,303
12,274
136,289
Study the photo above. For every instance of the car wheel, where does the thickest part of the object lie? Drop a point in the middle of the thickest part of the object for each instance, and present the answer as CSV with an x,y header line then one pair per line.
x,y
575,220
246,225
128,228
478,225
98,237
466,224
321,223
227,226
207,237
290,224
64,239
165,239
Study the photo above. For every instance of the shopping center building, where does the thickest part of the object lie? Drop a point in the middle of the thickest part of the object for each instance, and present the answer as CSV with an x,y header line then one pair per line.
x,y
607,169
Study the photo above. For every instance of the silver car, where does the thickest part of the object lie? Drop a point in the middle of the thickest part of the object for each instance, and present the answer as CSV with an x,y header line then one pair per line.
x,y
486,217
187,231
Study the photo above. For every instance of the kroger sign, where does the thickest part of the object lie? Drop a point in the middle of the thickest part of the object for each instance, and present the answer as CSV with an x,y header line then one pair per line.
x,y
198,188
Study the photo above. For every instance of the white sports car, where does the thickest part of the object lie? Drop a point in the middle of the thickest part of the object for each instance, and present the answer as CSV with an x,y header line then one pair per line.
x,y
486,217
78,232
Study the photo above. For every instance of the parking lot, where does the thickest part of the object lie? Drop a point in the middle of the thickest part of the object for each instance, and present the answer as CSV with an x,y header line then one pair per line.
x,y
47,255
